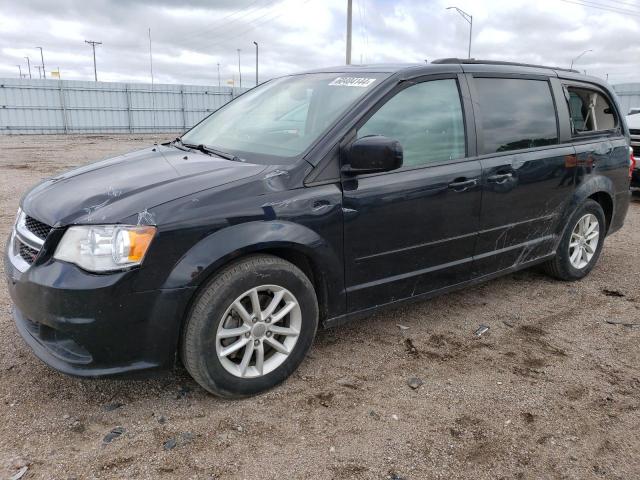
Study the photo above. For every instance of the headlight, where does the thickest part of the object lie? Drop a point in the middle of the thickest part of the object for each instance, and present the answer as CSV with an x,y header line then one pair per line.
x,y
103,248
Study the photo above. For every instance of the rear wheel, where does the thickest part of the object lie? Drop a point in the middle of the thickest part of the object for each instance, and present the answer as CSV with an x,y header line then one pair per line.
x,y
581,243
250,327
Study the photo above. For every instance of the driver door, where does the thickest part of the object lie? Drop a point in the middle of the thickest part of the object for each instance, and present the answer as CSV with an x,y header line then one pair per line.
x,y
413,230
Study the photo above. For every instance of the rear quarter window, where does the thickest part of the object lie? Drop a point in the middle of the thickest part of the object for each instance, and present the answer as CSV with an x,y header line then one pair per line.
x,y
515,114
589,111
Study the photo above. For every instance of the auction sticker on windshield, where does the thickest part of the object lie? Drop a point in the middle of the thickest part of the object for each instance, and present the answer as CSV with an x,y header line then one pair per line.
x,y
352,82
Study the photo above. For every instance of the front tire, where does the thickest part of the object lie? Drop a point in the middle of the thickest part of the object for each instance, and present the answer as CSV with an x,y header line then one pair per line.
x,y
250,327
581,243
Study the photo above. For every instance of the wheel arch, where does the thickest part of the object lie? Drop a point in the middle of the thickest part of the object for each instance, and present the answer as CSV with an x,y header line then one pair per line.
x,y
600,189
292,242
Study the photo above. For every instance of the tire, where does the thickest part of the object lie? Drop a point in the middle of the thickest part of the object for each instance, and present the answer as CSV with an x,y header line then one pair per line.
x,y
215,314
562,266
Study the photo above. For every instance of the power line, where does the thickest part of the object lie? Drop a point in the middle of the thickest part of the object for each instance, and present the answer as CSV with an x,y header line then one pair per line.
x,y
630,3
586,3
255,25
612,7
221,26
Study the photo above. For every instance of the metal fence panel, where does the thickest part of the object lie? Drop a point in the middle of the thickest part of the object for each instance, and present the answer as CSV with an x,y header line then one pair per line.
x,y
71,106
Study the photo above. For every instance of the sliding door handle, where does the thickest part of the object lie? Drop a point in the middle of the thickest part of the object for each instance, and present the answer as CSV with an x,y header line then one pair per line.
x,y
460,185
500,178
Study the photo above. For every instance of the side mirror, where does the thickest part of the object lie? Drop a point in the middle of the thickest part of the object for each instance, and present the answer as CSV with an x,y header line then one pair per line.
x,y
375,153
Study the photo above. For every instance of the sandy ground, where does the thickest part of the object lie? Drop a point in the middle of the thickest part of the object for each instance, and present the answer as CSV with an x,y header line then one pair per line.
x,y
550,391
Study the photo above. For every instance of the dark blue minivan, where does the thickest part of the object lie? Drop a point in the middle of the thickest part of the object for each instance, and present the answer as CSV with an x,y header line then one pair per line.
x,y
308,201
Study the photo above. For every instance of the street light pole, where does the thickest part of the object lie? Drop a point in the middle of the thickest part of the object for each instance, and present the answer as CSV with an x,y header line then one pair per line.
x,y
219,76
578,57
93,45
44,74
239,69
39,70
469,19
29,67
256,44
349,18
19,70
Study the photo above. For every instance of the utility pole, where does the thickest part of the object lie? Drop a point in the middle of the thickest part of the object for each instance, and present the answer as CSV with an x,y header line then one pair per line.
x,y
39,70
19,70
469,19
256,44
219,85
239,70
44,74
153,95
29,67
349,15
150,58
93,45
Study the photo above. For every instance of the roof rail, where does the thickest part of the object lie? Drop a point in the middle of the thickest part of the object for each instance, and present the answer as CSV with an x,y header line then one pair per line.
x,y
474,61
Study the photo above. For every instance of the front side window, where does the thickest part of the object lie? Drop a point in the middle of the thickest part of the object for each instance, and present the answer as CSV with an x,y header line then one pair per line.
x,y
277,121
426,119
515,114
590,111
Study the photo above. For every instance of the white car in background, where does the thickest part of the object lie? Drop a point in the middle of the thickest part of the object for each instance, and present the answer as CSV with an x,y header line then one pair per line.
x,y
633,121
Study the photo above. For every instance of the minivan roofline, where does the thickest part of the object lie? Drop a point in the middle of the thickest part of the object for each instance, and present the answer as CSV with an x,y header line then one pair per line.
x,y
460,65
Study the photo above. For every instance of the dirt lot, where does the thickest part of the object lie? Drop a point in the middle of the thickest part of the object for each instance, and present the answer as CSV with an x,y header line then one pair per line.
x,y
550,391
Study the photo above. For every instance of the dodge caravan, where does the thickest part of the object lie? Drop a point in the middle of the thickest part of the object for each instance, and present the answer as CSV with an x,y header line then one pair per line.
x,y
311,200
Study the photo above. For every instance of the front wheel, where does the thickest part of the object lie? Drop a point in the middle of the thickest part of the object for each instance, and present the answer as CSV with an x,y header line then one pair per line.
x,y
250,327
581,243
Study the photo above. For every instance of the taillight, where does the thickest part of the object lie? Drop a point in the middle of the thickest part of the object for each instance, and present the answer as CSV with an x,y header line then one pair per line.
x,y
632,162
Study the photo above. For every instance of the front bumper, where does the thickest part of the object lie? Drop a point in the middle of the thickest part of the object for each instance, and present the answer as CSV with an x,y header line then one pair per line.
x,y
95,325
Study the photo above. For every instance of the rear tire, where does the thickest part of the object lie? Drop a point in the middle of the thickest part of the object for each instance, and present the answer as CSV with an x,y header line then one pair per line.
x,y
250,327
577,252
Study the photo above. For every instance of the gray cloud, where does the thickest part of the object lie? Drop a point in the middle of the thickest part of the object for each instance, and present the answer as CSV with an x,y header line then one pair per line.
x,y
191,37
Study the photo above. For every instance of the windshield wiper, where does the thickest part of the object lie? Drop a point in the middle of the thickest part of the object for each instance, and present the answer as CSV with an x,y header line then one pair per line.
x,y
210,150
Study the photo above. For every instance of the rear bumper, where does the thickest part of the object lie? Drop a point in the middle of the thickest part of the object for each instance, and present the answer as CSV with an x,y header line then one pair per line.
x,y
620,209
93,325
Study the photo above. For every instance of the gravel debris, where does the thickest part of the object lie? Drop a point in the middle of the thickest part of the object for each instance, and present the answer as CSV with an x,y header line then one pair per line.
x,y
556,360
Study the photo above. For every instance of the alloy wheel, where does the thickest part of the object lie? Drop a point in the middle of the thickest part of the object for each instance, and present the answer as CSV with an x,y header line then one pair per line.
x,y
258,331
584,241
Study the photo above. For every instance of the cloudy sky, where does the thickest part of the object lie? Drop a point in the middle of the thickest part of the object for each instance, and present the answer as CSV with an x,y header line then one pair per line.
x,y
189,38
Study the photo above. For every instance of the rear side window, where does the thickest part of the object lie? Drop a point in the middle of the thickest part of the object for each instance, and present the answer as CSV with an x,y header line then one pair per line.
x,y
590,111
516,114
426,119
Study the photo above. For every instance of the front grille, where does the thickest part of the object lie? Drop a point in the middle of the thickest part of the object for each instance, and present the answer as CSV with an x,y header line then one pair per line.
x,y
27,253
636,150
39,229
634,131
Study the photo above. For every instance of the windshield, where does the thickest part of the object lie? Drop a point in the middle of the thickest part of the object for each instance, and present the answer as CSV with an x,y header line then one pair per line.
x,y
282,118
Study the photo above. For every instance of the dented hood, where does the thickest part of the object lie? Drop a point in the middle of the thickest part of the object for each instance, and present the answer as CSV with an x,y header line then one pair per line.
x,y
113,190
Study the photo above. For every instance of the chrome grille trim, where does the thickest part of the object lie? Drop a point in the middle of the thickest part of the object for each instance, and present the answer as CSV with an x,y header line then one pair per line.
x,y
23,240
